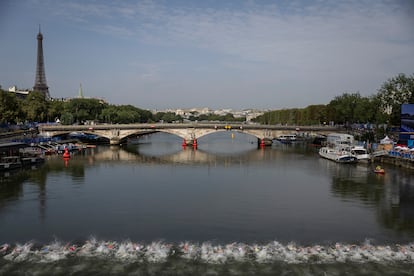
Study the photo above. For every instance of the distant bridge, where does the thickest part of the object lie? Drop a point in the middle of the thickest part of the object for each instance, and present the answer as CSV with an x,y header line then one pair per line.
x,y
119,133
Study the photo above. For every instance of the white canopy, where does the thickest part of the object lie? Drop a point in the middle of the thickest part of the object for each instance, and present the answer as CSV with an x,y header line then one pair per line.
x,y
386,140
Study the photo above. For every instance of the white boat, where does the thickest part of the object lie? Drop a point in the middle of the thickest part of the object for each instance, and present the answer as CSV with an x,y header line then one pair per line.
x,y
361,153
338,148
287,138
340,156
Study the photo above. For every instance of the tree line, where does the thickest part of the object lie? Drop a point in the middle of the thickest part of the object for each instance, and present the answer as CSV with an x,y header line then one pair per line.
x,y
348,108
35,108
384,107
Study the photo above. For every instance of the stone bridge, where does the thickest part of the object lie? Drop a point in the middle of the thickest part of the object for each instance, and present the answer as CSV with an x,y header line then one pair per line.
x,y
189,132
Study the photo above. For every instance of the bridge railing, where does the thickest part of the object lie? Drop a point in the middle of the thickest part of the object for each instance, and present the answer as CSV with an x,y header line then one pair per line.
x,y
227,126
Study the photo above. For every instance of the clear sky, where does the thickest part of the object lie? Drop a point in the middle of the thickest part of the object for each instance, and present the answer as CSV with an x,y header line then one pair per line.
x,y
213,53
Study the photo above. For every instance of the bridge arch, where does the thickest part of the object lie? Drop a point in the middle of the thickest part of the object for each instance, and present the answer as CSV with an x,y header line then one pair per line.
x,y
196,133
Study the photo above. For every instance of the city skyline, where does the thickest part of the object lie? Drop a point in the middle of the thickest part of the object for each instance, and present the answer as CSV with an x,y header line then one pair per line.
x,y
184,54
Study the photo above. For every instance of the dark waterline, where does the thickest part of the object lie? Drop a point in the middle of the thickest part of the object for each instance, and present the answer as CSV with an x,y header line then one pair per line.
x,y
225,191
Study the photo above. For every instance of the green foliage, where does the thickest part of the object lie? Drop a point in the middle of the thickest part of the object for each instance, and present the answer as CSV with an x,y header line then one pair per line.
x,y
167,117
10,111
56,109
35,107
84,109
214,117
393,93
124,114
311,115
66,118
345,107
348,108
108,114
146,116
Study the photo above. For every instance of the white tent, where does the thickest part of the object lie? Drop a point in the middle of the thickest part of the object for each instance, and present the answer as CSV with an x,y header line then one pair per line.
x,y
386,140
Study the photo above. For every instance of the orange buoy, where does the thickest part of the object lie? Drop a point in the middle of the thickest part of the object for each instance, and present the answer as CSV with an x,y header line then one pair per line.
x,y
66,154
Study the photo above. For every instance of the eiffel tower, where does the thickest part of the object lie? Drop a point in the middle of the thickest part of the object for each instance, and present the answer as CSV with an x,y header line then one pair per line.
x,y
40,81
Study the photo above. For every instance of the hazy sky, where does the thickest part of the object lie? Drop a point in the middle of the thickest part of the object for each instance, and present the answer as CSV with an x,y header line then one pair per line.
x,y
211,53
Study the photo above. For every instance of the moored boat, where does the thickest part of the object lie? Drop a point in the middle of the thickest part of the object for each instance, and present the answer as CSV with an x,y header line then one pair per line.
x,y
338,148
287,138
340,156
319,141
361,153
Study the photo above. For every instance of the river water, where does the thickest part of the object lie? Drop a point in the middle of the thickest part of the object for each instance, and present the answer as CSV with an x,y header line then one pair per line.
x,y
226,208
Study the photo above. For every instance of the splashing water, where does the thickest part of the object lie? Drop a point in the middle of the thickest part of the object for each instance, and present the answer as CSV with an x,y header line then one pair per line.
x,y
97,257
207,252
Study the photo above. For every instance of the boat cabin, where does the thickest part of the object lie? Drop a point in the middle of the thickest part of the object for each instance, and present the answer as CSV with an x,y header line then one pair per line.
x,y
340,140
287,138
11,148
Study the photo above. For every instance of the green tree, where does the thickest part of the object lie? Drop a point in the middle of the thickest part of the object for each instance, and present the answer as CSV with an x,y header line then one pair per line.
x,y
379,117
67,118
344,108
35,107
315,114
123,114
394,92
85,109
167,117
145,116
108,114
56,109
10,111
126,117
368,110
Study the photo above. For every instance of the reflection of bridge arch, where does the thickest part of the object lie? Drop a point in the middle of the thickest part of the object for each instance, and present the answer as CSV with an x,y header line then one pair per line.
x,y
182,156
119,133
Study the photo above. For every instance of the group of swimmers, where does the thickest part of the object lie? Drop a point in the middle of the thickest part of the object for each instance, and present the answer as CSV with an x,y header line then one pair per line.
x,y
207,252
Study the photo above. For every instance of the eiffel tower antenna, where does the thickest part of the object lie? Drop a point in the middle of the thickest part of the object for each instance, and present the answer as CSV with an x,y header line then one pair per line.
x,y
40,80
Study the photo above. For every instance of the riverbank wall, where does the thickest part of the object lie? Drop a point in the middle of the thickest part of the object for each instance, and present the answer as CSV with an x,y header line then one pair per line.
x,y
398,161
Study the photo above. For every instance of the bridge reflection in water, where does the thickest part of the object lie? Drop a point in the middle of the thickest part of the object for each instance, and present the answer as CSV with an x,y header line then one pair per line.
x,y
183,156
165,148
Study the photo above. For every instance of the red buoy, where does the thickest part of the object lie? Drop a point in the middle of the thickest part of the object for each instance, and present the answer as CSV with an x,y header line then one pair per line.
x,y
262,143
195,143
184,144
66,154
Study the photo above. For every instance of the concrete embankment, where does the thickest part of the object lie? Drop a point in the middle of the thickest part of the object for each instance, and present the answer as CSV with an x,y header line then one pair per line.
x,y
396,160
